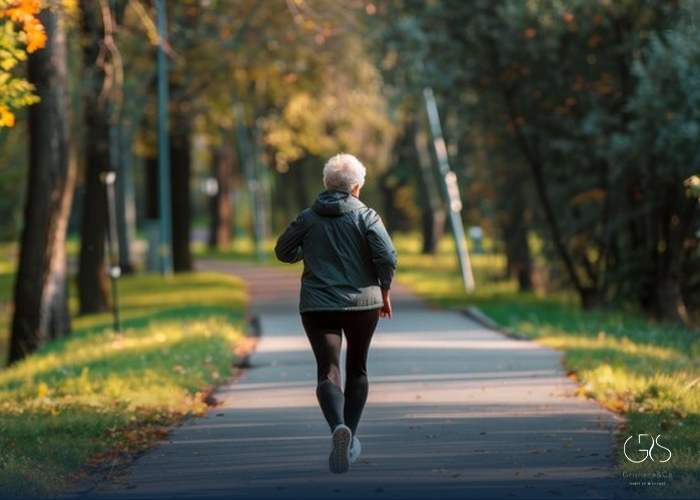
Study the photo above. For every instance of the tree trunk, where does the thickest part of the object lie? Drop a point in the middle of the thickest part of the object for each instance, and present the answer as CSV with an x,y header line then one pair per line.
x,y
92,282
669,304
515,229
433,227
666,285
220,210
41,305
518,252
180,159
433,209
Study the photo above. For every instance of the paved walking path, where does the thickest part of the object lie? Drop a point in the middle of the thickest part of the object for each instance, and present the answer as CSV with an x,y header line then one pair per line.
x,y
455,411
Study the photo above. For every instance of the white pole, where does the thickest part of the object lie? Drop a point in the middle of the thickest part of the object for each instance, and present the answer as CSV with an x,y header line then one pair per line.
x,y
454,201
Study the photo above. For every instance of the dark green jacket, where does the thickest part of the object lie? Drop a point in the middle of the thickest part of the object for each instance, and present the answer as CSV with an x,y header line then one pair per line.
x,y
348,255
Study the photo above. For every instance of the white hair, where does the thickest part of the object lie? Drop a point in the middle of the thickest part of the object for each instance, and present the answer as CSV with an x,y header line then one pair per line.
x,y
343,172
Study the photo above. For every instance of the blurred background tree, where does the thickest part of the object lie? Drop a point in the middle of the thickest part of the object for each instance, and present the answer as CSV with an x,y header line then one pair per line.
x,y
41,301
554,100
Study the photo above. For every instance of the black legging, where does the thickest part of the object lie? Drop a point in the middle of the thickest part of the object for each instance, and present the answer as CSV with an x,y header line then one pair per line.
x,y
324,330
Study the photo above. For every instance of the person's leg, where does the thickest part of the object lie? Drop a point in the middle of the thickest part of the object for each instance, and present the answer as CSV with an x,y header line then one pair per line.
x,y
359,328
326,341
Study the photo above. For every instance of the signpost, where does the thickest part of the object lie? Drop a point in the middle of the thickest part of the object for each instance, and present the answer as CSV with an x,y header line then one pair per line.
x,y
115,271
454,201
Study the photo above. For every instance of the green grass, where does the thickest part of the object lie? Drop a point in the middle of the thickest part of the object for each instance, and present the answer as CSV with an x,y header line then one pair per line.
x,y
241,249
647,372
7,279
88,403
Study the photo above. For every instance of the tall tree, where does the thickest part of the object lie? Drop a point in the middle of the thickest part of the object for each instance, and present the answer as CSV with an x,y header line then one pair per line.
x,y
184,34
92,281
41,305
596,100
181,168
660,154
430,200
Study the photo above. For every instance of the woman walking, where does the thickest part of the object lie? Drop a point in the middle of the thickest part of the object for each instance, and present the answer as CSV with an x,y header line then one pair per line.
x,y
349,263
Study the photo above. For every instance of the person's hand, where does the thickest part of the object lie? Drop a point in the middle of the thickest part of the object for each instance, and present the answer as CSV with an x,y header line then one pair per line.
x,y
385,311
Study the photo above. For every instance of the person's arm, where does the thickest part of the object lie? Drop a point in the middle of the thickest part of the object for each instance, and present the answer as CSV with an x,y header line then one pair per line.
x,y
288,248
383,257
385,311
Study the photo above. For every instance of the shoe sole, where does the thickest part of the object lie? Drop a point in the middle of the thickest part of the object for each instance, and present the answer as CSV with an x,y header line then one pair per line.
x,y
339,461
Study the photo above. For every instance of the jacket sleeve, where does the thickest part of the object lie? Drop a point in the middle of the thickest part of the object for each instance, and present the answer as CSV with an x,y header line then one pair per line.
x,y
288,247
382,249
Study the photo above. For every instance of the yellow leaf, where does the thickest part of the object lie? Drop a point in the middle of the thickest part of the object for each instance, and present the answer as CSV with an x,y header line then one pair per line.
x,y
42,390
7,64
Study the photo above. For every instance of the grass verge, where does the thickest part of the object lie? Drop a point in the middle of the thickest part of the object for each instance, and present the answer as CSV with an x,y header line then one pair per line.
x,y
242,250
83,406
645,371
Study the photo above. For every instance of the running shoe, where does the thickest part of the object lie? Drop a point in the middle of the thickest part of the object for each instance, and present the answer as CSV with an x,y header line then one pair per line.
x,y
339,460
355,450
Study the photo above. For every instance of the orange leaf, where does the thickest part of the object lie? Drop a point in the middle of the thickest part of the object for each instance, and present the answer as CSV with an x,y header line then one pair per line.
x,y
36,36
7,118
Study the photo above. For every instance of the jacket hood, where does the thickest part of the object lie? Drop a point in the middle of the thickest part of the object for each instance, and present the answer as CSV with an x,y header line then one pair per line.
x,y
334,203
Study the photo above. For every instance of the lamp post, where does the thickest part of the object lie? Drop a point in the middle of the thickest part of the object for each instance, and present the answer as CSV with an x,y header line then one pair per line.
x,y
115,271
454,202
165,242
255,185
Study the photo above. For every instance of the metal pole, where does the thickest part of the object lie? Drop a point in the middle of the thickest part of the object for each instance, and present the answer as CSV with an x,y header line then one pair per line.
x,y
454,202
115,271
163,145
254,184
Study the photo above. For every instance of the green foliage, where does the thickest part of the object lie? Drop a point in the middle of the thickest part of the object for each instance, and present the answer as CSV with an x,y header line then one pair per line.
x,y
95,399
596,102
308,98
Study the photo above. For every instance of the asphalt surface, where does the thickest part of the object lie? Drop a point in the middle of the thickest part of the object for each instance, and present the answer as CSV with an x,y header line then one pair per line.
x,y
455,411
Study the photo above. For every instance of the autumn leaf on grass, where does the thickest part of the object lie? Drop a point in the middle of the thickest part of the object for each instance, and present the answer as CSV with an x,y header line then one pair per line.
x,y
618,405
42,390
